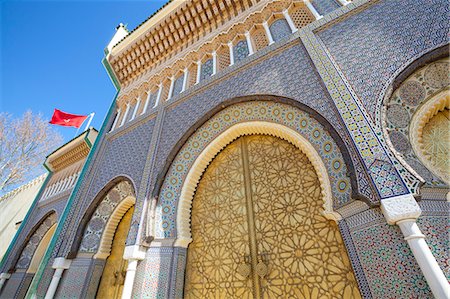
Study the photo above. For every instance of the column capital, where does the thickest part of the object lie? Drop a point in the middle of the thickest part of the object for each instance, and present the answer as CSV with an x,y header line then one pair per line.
x,y
61,263
399,208
134,252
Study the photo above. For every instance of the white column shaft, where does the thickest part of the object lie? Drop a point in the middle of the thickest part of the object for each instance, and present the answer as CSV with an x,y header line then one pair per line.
x,y
214,57
313,10
147,101
124,119
136,108
268,33
129,279
230,46
344,2
185,77
172,83
289,20
116,120
199,70
249,43
54,284
158,96
427,263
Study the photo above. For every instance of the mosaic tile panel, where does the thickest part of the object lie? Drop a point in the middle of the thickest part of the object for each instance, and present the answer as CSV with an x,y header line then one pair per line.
x,y
240,51
387,261
45,280
94,229
324,7
402,105
73,280
115,158
178,85
280,29
371,48
369,146
11,287
283,114
435,225
277,75
206,69
153,274
28,252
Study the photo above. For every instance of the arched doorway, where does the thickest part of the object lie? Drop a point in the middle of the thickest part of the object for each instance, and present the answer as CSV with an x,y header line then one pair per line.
x,y
258,229
111,283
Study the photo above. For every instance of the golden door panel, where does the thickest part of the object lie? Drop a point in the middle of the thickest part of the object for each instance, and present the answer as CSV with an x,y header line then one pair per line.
x,y
219,230
258,231
113,278
303,253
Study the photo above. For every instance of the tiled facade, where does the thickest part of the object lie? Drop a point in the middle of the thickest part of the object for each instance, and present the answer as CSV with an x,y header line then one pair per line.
x,y
328,82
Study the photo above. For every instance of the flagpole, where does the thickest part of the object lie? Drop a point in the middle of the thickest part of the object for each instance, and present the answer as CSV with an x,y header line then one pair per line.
x,y
91,116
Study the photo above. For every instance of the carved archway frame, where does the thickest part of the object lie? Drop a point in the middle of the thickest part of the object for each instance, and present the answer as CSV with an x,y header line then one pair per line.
x,y
285,119
184,236
419,120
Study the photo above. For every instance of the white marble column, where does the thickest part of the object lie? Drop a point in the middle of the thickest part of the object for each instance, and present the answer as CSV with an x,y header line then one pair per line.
x,y
344,2
116,120
147,101
249,43
199,70
3,278
136,108
230,47
403,211
185,78
133,254
60,264
214,58
268,33
289,20
124,119
172,83
313,10
158,96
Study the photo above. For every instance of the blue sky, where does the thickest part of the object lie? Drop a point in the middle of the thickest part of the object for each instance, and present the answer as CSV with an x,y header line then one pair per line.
x,y
51,54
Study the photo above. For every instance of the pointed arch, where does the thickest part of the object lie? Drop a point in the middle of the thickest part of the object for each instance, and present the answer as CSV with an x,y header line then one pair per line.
x,y
184,236
98,214
272,110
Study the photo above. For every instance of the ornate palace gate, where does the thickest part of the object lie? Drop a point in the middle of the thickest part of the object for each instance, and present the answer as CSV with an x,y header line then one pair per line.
x,y
258,231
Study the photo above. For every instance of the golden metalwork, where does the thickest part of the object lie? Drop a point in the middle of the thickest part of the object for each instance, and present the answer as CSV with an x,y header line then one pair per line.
x,y
258,231
113,278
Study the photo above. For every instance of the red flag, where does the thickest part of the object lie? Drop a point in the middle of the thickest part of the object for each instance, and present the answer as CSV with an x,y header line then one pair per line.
x,y
66,119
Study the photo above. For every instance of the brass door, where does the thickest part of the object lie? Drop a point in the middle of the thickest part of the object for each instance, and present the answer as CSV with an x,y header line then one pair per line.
x,y
258,231
113,278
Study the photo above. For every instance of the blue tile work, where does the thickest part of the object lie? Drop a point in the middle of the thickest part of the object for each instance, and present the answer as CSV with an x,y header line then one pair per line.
x,y
12,285
288,73
324,7
178,85
374,45
379,164
435,225
388,263
124,155
277,113
73,280
153,274
206,69
240,51
279,29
